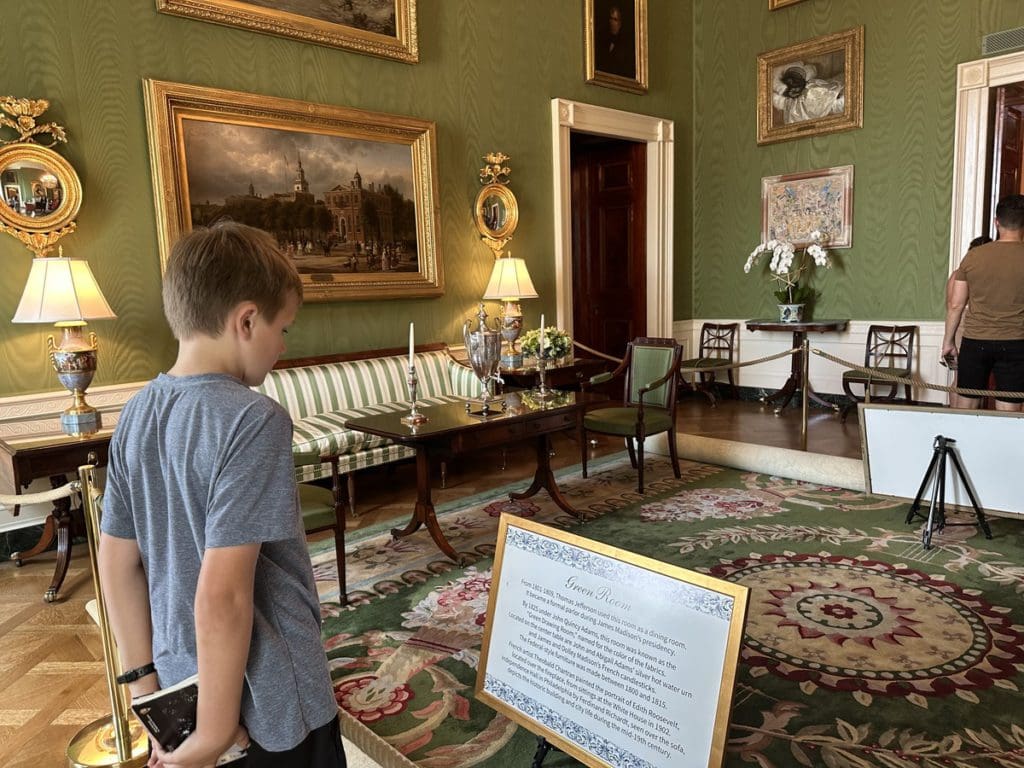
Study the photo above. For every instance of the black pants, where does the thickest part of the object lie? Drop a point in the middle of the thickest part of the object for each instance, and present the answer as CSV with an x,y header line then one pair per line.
x,y
978,358
320,749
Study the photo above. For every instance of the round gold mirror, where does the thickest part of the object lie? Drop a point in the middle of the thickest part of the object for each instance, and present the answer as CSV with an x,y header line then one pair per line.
x,y
497,212
41,191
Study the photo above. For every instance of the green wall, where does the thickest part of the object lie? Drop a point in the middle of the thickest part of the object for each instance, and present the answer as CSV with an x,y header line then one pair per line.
x,y
902,157
487,72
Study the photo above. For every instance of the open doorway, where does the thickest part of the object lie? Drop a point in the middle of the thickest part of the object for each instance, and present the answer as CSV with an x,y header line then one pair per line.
x,y
1007,146
654,141
609,281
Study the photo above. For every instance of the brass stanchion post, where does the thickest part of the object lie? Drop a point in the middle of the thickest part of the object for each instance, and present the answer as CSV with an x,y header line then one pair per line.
x,y
806,394
113,741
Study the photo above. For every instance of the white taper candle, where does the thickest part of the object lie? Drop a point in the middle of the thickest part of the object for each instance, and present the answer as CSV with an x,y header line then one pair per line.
x,y
412,343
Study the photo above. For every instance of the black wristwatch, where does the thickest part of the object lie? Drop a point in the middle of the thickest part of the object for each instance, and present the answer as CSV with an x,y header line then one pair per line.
x,y
134,674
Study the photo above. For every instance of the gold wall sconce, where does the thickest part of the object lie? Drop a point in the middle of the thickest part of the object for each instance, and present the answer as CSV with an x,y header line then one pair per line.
x,y
496,210
41,191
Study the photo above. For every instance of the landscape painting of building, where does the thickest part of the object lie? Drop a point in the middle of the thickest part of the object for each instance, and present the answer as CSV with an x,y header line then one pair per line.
x,y
335,204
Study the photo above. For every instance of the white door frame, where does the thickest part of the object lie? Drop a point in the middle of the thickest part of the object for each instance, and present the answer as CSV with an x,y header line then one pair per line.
x,y
970,146
658,134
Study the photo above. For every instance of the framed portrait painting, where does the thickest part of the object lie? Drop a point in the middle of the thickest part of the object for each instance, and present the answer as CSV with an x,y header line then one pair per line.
x,y
811,88
795,205
616,43
385,28
350,196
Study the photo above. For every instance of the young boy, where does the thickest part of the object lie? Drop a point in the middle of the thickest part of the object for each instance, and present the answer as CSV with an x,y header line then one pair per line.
x,y
202,555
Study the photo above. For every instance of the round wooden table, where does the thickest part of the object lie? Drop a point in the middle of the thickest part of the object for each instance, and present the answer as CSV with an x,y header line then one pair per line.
x,y
796,372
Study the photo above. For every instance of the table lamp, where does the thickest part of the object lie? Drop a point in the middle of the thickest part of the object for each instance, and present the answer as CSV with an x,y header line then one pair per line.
x,y
510,282
63,291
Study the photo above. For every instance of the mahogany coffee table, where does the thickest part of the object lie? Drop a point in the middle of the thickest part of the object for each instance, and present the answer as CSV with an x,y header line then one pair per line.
x,y
450,430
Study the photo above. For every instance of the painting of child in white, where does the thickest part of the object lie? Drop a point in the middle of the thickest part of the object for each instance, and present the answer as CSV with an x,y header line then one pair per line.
x,y
799,94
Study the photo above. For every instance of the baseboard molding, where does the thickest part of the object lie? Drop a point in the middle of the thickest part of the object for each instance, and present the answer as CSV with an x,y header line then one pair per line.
x,y
798,465
825,376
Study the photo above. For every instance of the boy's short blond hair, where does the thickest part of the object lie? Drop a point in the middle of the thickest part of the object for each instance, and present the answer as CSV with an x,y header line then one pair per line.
x,y
211,271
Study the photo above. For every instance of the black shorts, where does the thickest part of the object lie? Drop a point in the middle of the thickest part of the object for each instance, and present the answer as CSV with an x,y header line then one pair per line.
x,y
979,358
320,749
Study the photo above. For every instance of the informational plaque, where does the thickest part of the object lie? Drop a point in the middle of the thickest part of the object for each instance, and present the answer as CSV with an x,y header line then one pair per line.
x,y
614,658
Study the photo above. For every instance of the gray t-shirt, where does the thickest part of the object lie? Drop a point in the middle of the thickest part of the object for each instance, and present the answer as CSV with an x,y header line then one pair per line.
x,y
203,461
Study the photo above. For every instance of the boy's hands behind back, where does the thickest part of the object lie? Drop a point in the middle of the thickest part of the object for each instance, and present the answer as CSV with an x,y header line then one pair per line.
x,y
197,751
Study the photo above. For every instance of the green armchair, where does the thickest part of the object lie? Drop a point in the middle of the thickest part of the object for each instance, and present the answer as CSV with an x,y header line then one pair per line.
x,y
323,509
651,368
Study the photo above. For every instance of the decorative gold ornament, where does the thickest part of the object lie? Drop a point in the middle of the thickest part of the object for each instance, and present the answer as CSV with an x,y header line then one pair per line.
x,y
25,112
496,210
41,192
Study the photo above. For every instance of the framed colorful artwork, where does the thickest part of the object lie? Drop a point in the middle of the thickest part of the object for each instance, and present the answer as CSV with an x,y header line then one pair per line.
x,y
811,88
616,43
795,205
350,195
385,28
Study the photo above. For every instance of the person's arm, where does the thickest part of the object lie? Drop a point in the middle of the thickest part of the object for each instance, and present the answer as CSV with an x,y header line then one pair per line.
x,y
224,616
956,300
126,598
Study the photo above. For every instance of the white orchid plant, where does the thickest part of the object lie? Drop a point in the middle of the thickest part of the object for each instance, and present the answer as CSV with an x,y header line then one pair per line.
x,y
786,267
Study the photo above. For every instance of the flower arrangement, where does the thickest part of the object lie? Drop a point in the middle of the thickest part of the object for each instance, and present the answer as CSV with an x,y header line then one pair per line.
x,y
557,343
786,267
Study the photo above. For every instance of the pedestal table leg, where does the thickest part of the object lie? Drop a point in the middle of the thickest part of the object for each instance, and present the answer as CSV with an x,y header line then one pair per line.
x,y
424,513
544,478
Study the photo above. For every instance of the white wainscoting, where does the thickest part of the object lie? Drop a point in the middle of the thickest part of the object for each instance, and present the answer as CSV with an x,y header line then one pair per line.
x,y
825,376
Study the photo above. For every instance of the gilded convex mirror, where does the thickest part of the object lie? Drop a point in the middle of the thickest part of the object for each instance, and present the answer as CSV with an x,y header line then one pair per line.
x,y
41,191
496,210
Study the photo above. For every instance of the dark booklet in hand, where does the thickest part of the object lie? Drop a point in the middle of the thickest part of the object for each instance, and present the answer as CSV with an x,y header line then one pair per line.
x,y
169,716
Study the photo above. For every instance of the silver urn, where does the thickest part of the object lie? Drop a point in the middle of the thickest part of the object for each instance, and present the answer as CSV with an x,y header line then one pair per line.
x,y
483,348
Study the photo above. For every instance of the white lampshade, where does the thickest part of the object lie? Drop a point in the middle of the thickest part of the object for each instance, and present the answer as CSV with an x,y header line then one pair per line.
x,y
61,290
510,281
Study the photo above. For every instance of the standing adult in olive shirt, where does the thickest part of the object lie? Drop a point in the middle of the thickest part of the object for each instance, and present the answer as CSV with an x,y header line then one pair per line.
x,y
991,280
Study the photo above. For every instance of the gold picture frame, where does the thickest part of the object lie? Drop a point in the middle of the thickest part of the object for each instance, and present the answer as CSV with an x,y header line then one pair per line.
x,y
34,172
615,43
811,88
377,38
794,205
546,584
774,5
297,169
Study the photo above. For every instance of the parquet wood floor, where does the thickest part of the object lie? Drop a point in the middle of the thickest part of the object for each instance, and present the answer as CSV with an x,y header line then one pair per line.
x,y
51,671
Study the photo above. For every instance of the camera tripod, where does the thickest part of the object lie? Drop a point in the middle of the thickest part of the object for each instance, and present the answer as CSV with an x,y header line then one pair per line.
x,y
936,516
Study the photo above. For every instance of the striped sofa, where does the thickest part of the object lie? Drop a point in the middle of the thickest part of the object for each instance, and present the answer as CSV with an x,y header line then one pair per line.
x,y
322,393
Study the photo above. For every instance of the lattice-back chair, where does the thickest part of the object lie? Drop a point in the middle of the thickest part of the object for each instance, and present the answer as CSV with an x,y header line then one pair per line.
x,y
717,346
651,370
888,349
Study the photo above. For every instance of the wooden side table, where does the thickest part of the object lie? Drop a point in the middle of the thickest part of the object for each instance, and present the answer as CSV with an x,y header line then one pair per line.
x,y
796,372
22,461
566,376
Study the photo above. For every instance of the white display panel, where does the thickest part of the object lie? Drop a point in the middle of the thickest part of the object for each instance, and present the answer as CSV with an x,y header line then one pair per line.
x,y
898,445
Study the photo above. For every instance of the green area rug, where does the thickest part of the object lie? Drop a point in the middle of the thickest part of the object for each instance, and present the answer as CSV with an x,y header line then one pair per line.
x,y
861,649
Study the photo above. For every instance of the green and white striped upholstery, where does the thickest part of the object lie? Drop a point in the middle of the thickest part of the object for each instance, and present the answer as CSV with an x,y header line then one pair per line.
x,y
320,398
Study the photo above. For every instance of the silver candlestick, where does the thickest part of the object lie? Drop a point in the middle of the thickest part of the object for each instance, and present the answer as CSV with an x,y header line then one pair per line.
x,y
414,418
542,392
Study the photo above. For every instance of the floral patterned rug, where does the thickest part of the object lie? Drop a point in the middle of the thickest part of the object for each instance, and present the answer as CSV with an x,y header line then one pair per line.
x,y
862,649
